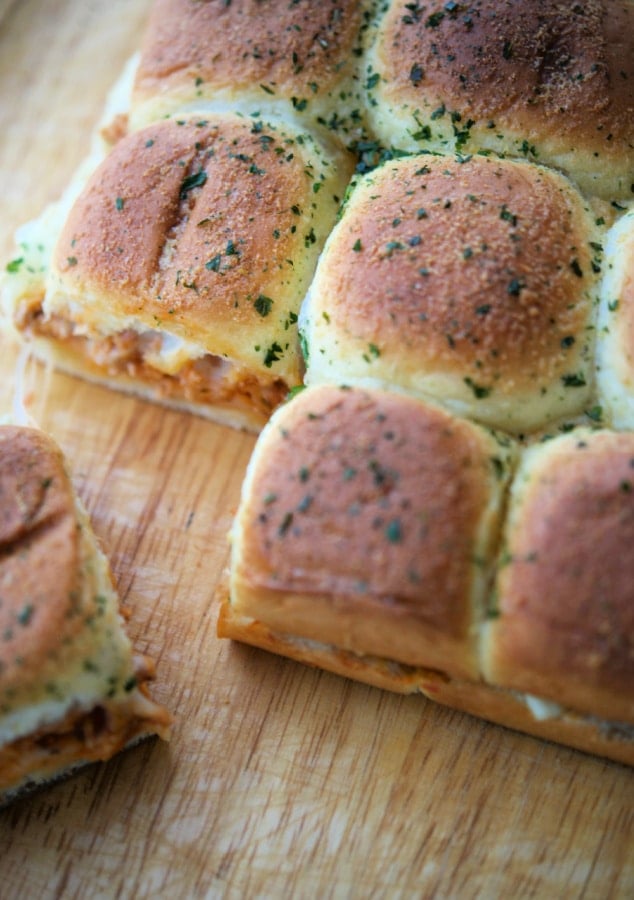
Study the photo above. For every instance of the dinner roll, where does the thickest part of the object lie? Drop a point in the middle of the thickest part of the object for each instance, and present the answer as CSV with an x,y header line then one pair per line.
x,y
180,268
366,521
294,60
563,626
550,82
469,281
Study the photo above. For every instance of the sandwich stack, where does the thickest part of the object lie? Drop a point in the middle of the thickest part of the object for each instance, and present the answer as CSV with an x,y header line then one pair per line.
x,y
417,219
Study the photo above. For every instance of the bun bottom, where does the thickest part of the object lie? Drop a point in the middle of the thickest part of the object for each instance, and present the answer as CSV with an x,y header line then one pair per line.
x,y
502,707
55,769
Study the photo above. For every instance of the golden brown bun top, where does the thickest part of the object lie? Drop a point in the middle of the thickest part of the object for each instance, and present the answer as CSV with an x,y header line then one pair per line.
x,y
483,270
205,227
566,591
39,555
298,50
561,71
355,494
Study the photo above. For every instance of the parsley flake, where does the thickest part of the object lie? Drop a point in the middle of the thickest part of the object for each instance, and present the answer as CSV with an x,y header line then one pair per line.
x,y
263,305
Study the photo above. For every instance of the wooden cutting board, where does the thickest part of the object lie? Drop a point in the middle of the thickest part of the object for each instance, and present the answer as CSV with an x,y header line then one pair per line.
x,y
280,781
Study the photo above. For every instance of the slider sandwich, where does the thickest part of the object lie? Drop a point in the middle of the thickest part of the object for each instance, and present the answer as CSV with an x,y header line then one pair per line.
x,y
176,271
383,538
295,61
469,281
72,690
549,82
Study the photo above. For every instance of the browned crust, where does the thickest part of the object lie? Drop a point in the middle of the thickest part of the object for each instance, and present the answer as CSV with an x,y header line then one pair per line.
x,y
546,70
39,556
566,613
479,269
497,706
361,524
118,250
301,50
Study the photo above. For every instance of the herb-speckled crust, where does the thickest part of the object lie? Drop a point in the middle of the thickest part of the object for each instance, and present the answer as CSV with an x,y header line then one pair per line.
x,y
39,558
207,228
470,281
71,690
553,82
298,57
364,522
565,595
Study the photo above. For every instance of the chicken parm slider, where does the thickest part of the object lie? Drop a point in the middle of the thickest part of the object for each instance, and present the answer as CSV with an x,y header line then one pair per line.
x,y
72,691
382,538
550,82
294,60
557,650
364,530
471,281
179,270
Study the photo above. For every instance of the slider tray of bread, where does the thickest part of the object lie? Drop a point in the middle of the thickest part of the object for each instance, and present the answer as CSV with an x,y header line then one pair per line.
x,y
398,246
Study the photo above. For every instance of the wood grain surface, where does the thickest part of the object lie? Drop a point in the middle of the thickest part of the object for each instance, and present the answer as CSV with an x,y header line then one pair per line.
x,y
280,781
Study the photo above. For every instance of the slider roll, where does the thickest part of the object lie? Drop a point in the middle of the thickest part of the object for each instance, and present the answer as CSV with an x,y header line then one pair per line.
x,y
470,282
179,271
548,82
365,524
382,538
557,650
563,625
296,61
71,689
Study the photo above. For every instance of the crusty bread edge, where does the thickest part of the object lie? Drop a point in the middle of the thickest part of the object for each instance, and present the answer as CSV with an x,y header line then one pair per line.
x,y
496,705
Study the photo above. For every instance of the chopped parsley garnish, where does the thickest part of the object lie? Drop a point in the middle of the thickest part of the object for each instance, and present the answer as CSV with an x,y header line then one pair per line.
x,y
25,615
514,287
595,414
273,354
394,531
574,380
480,391
507,215
576,268
416,74
263,305
193,181
285,524
372,81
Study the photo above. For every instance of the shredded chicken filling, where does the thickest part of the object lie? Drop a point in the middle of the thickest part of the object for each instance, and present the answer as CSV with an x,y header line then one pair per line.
x,y
210,379
80,737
